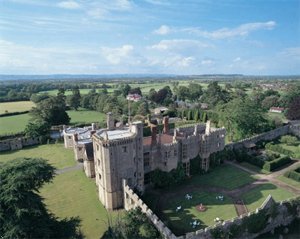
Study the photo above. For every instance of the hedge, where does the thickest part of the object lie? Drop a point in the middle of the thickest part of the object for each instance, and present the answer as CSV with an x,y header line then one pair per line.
x,y
279,149
293,174
272,165
14,113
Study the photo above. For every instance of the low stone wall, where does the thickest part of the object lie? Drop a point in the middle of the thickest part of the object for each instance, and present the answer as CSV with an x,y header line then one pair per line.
x,y
132,200
292,128
19,143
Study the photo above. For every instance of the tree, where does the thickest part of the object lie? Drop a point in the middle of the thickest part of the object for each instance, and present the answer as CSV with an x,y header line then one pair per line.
x,y
293,112
125,88
37,128
242,118
269,102
215,95
195,91
182,93
52,111
143,108
74,101
22,211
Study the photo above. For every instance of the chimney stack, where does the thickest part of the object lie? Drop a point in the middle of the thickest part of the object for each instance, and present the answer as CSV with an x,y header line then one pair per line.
x,y
110,121
207,128
92,132
166,124
75,137
93,126
153,134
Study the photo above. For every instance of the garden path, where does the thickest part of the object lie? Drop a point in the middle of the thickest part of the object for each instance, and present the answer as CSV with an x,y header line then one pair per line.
x,y
78,166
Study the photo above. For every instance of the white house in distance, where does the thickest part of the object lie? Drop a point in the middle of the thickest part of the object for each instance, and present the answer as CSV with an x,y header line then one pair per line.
x,y
276,109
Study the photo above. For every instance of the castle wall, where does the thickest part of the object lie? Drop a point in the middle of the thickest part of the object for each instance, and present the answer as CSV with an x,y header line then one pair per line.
x,y
68,140
19,143
89,168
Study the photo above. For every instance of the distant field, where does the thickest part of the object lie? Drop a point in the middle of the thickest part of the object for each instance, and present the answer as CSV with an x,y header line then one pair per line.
x,y
72,194
56,154
68,92
255,197
17,123
13,124
9,107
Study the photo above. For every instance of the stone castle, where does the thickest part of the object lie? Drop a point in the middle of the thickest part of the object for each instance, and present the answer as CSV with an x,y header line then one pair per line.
x,y
121,152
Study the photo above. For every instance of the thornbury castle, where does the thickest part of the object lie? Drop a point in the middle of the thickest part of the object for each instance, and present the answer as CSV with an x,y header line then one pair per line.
x,y
118,152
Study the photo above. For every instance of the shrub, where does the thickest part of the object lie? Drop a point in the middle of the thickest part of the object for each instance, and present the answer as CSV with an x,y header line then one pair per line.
x,y
279,149
293,174
162,179
289,140
256,222
272,165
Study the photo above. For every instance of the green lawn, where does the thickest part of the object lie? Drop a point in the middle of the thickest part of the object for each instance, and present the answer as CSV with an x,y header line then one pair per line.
x,y
72,194
13,124
9,107
17,123
255,197
67,92
289,181
225,176
85,116
56,154
254,168
179,222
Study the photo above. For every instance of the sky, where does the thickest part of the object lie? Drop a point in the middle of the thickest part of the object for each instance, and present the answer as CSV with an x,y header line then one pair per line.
x,y
183,37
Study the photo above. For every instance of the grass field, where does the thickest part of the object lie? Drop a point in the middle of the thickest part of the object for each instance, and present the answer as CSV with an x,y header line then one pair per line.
x,y
17,123
179,222
72,194
255,197
13,124
225,176
10,107
289,181
254,168
56,154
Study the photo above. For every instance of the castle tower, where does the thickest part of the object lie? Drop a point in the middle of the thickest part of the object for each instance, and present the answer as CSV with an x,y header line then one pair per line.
x,y
110,122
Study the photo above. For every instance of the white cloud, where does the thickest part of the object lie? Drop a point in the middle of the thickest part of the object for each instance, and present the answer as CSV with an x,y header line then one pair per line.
x,y
237,59
292,52
116,55
176,44
222,33
158,2
69,5
162,30
207,62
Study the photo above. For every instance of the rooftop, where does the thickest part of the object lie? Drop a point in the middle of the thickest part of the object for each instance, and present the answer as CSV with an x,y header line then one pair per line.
x,y
115,134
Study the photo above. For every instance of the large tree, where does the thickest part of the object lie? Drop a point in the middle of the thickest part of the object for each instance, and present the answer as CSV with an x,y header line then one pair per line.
x,y
74,100
52,111
293,112
242,118
22,211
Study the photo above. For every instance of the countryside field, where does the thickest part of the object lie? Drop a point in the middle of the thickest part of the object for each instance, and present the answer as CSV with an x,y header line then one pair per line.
x,y
10,107
17,123
56,154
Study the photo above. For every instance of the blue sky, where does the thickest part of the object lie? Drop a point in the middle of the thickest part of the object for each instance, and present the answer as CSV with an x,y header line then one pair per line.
x,y
256,37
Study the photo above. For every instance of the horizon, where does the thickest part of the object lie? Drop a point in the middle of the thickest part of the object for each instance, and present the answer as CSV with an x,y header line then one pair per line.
x,y
150,37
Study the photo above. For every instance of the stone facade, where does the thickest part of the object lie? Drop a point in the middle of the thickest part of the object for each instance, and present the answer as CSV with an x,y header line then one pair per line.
x,y
116,153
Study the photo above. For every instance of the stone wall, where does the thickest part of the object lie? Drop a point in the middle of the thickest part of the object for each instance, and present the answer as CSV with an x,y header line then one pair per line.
x,y
19,143
132,200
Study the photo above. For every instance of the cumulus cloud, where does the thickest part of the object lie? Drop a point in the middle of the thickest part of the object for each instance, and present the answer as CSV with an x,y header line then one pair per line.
x,y
162,30
116,55
69,5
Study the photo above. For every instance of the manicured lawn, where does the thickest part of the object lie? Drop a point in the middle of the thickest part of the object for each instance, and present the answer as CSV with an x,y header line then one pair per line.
x,y
289,181
9,107
85,116
255,197
72,194
56,154
179,222
225,176
13,124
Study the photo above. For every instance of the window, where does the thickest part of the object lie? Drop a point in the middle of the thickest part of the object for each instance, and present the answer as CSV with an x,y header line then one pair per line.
x,y
99,176
69,137
146,159
175,152
97,147
124,148
165,163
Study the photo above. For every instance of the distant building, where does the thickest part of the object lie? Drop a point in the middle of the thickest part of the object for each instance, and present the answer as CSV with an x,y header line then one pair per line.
x,y
276,109
116,153
160,110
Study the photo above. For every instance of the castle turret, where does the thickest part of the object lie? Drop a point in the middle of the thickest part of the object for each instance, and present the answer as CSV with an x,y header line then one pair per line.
x,y
166,124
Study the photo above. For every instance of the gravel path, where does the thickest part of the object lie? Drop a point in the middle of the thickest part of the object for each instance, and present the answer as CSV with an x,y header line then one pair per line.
x,y
78,166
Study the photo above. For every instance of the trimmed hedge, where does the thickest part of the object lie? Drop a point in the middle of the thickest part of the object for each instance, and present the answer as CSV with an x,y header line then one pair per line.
x,y
272,165
279,149
14,113
293,174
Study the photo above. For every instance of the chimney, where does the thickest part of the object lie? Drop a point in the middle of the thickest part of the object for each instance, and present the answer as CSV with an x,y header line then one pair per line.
x,y
75,137
92,132
93,126
166,124
207,128
153,134
110,121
